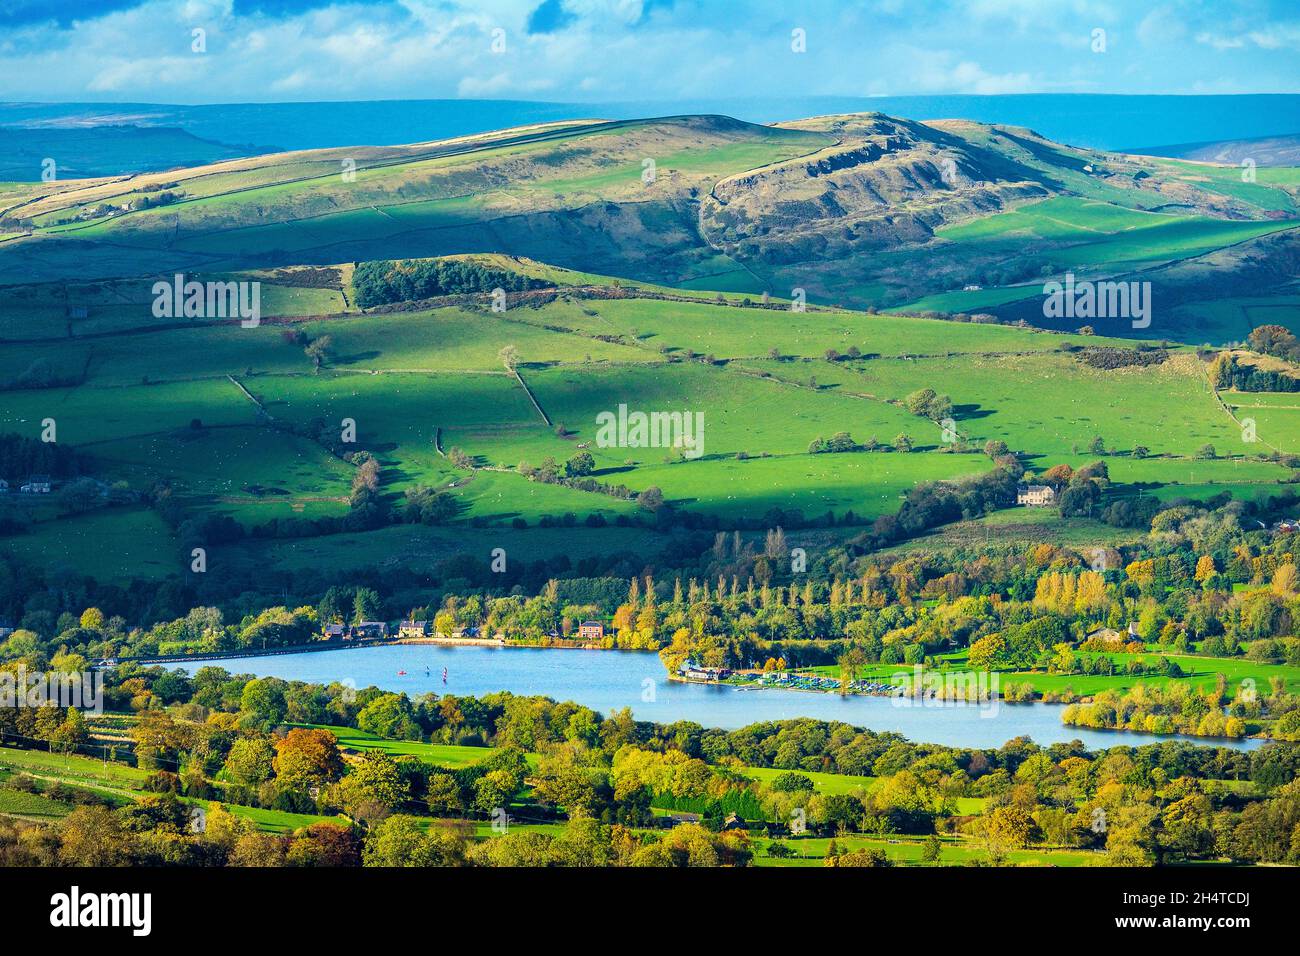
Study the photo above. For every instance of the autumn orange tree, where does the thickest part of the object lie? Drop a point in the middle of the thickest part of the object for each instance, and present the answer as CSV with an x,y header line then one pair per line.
x,y
306,758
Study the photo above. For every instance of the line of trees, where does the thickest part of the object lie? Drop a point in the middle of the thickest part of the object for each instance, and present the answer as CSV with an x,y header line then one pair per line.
x,y
240,741
384,281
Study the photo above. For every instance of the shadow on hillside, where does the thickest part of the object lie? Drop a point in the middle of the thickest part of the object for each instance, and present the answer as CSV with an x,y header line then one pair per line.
x,y
355,358
971,411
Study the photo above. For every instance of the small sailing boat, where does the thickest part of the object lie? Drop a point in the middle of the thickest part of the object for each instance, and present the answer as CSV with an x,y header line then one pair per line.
x,y
401,673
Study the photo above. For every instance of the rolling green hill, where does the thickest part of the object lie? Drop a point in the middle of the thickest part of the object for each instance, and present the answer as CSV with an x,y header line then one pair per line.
x,y
862,209
236,422
667,262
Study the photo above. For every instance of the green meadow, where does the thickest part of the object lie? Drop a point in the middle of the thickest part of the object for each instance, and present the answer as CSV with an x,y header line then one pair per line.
x,y
418,385
1050,404
674,294
907,851
867,483
1199,672
422,548
1086,235
115,544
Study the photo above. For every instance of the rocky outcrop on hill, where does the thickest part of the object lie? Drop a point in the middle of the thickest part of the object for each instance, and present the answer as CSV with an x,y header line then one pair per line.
x,y
888,182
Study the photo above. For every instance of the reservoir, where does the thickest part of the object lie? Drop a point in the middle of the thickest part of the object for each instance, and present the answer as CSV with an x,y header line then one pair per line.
x,y
607,681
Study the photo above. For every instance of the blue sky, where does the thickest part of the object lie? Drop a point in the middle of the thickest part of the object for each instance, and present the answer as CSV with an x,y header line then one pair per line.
x,y
607,50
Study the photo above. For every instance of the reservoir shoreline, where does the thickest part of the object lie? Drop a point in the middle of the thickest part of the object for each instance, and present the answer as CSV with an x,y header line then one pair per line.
x,y
611,680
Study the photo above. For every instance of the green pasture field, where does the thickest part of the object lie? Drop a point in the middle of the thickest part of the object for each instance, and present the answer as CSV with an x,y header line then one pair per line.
x,y
1230,319
452,339
1265,192
729,333
1203,492
203,352
715,162
23,804
1021,527
86,417
273,821
1282,400
1062,164
744,281
868,483
75,769
41,311
397,408
501,496
438,341
483,829
442,755
253,511
1191,471
1051,404
423,548
313,237
288,300
419,384
825,783
1045,404
57,259
971,300
741,412
398,415
560,276
116,544
1199,672
238,462
906,851
1276,416
1088,236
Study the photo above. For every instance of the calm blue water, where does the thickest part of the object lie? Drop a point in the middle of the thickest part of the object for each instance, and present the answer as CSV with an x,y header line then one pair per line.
x,y
1099,121
608,680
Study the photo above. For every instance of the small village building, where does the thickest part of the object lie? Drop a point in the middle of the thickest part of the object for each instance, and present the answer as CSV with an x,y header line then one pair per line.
x,y
1107,634
4,487
369,629
37,485
692,671
413,629
675,817
335,632
591,631
1035,496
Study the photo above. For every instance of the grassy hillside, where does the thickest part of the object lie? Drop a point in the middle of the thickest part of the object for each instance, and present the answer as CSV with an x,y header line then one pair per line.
x,y
674,257
861,210
579,193
237,422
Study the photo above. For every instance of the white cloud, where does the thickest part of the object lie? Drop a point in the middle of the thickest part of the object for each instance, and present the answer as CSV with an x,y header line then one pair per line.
x,y
629,49
1162,26
1280,36
940,72
1220,42
1283,36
